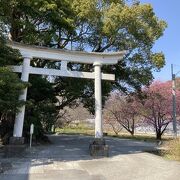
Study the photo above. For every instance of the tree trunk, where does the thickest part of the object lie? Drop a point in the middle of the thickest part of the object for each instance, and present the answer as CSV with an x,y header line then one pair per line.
x,y
132,132
158,135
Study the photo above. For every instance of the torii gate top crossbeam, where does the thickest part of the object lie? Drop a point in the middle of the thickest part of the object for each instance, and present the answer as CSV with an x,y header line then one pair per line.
x,y
67,55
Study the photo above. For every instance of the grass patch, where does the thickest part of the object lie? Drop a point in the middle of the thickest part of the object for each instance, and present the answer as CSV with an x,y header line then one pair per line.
x,y
140,137
85,130
80,129
173,149
170,150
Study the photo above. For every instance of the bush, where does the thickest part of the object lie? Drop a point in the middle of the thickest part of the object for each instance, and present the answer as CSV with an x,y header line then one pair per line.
x,y
173,151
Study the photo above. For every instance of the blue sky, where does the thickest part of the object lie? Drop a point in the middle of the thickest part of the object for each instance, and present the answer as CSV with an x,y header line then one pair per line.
x,y
169,44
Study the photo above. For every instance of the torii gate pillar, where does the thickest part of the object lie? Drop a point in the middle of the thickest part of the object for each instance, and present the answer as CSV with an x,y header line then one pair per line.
x,y
98,146
19,120
98,101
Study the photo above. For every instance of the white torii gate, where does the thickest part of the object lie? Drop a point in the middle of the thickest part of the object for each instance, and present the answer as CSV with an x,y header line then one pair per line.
x,y
97,59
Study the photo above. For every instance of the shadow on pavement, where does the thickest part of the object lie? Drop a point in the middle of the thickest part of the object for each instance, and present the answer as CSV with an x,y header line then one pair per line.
x,y
64,149
76,147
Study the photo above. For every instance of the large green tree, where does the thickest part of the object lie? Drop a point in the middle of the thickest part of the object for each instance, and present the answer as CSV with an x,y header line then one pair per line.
x,y
114,25
37,22
10,88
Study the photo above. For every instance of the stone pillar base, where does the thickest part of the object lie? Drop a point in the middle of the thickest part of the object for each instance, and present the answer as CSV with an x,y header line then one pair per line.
x,y
15,148
16,140
99,148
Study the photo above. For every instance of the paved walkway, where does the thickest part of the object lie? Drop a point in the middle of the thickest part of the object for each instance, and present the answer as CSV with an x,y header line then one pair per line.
x,y
67,158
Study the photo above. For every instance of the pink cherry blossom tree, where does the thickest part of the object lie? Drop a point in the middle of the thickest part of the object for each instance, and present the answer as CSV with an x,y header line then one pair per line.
x,y
120,112
156,106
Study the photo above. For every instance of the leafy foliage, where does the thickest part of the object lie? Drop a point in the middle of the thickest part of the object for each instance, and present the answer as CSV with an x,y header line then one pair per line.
x,y
36,21
41,107
116,25
94,26
8,56
10,88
